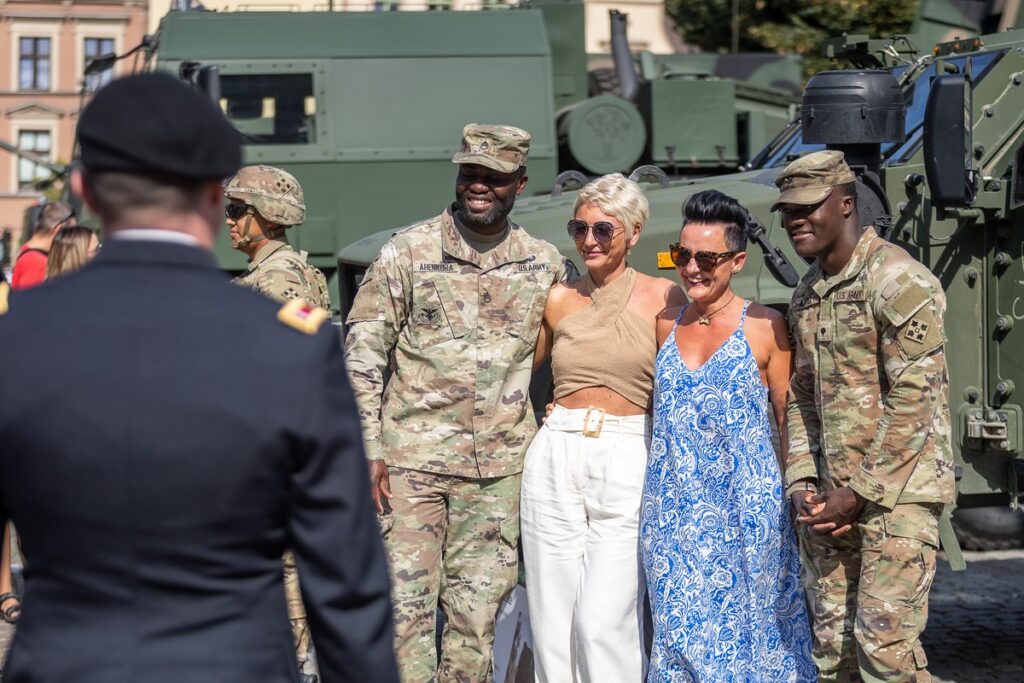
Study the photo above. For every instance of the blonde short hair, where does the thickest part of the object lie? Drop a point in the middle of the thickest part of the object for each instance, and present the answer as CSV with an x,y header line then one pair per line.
x,y
617,196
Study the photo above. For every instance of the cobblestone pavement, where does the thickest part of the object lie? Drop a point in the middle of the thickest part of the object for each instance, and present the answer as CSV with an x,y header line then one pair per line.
x,y
975,628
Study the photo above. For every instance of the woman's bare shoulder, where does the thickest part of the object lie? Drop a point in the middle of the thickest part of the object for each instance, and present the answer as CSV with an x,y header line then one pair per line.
x,y
766,315
769,323
560,291
662,290
561,298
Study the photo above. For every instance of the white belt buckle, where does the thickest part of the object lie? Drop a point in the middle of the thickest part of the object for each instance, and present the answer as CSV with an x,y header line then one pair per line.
x,y
587,431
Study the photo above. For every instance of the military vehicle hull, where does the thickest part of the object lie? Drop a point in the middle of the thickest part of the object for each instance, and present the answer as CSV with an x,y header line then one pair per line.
x,y
365,109
976,252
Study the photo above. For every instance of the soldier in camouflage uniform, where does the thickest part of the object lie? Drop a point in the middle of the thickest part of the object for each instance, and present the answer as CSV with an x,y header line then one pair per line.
x,y
869,461
263,203
453,305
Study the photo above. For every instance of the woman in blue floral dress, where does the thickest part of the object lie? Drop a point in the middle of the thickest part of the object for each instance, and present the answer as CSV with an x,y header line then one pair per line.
x,y
718,545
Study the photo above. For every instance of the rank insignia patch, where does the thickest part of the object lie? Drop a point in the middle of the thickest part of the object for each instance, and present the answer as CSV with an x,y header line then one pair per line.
x,y
429,316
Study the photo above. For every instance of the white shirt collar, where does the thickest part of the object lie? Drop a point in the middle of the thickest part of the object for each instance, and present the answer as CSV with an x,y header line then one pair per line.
x,y
155,235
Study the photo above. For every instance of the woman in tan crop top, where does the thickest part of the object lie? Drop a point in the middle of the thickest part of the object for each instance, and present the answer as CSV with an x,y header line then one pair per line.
x,y
584,472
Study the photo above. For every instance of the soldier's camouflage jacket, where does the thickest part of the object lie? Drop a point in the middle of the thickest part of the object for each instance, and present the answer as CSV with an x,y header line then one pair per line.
x,y
458,329
869,399
280,272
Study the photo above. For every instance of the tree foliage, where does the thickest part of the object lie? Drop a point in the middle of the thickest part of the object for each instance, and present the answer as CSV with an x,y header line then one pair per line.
x,y
788,26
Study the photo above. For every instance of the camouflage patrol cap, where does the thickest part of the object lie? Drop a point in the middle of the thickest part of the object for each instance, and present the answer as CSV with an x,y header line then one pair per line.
x,y
810,179
503,148
274,193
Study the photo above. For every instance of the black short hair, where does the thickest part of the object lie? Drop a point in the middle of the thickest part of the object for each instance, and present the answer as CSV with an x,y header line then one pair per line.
x,y
712,206
849,190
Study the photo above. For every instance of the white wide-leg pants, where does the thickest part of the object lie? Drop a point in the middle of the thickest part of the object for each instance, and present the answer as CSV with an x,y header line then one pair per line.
x,y
580,512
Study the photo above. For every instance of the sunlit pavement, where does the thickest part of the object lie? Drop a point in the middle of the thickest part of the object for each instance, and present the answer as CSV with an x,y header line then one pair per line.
x,y
976,624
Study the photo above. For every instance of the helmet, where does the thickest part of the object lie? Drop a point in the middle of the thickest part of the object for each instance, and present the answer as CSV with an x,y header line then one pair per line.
x,y
274,193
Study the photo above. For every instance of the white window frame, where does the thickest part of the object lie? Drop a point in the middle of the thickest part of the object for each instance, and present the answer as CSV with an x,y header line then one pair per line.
x,y
96,28
35,29
27,124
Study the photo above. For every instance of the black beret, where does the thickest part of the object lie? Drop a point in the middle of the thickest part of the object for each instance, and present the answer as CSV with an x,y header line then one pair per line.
x,y
155,124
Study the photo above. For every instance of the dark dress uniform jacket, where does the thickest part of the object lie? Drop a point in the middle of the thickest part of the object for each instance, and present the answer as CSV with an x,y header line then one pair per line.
x,y
163,438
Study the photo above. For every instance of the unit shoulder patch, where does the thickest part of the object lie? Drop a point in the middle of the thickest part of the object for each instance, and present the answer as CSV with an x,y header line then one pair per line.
x,y
301,316
920,335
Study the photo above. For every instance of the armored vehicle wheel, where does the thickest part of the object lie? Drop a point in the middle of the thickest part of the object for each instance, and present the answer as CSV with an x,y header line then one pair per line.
x,y
989,528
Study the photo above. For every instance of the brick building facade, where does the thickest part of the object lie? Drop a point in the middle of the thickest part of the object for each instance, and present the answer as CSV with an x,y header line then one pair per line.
x,y
44,47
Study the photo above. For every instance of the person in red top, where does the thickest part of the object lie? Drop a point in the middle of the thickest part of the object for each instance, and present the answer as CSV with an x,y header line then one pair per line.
x,y
30,265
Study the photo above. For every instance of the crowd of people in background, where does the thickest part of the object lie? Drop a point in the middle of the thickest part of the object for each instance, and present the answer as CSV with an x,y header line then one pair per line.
x,y
653,485
57,246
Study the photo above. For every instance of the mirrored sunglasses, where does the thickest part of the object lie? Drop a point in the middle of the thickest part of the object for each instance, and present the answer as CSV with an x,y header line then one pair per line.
x,y
603,230
706,260
235,211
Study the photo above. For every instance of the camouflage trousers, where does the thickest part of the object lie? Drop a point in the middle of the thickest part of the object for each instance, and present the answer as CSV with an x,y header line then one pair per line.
x,y
451,541
296,610
869,594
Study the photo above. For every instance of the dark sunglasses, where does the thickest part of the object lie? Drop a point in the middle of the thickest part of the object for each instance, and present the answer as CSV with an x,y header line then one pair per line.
x,y
236,211
706,260
603,230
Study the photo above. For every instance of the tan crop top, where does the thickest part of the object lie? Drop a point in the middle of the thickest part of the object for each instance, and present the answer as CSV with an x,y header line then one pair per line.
x,y
605,344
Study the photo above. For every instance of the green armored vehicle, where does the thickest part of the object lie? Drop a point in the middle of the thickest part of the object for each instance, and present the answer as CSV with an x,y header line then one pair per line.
x,y
366,108
942,177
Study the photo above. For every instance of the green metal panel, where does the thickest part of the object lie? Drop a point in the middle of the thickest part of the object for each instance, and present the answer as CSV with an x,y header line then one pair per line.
x,y
766,70
341,35
412,108
692,122
563,21
390,94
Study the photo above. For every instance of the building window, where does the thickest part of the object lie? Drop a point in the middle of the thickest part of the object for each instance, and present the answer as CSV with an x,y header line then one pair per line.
x,y
97,47
34,63
29,173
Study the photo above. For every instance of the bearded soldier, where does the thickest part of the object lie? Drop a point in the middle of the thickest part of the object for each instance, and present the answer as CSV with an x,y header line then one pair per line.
x,y
453,306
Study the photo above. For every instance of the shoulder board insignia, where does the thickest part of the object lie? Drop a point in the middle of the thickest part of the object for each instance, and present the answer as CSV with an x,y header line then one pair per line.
x,y
303,317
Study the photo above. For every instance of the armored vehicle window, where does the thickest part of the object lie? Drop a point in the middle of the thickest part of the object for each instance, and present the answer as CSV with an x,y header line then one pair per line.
x,y
917,97
277,109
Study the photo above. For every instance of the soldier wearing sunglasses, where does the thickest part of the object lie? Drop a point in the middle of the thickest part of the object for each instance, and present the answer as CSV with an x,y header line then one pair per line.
x,y
263,202
585,468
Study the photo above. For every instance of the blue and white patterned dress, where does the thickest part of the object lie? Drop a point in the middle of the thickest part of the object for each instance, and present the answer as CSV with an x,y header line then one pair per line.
x,y
718,545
